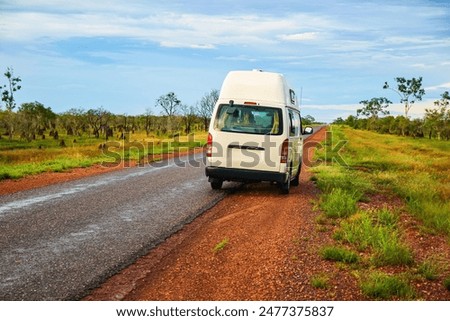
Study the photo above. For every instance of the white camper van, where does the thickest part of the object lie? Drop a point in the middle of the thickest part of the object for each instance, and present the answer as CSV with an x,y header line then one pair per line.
x,y
255,132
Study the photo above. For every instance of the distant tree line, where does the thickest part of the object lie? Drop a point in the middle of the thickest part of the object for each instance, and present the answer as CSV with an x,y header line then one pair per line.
x,y
34,120
374,114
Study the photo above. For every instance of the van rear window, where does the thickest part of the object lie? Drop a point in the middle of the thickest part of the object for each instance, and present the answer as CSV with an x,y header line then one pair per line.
x,y
249,119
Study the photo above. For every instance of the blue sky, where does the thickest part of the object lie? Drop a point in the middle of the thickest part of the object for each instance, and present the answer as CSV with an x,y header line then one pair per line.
x,y
123,55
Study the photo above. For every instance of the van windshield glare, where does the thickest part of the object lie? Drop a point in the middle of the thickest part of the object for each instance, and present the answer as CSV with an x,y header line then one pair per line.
x,y
249,119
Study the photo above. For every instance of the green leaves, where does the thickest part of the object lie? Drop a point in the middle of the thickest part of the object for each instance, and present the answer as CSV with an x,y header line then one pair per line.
x,y
407,88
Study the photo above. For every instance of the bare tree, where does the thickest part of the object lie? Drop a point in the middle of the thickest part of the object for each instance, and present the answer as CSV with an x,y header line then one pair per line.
x,y
188,117
206,106
170,104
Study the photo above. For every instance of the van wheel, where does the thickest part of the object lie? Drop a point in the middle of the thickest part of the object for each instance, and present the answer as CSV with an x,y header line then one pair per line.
x,y
216,183
286,186
296,180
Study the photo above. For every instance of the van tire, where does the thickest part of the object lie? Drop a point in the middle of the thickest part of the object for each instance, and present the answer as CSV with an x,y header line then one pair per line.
x,y
296,180
286,185
216,183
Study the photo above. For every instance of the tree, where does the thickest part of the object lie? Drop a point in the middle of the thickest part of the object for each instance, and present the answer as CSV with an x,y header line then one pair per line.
x,y
206,106
74,121
188,117
8,91
407,88
98,119
170,104
308,120
372,108
401,124
339,121
35,118
148,121
437,119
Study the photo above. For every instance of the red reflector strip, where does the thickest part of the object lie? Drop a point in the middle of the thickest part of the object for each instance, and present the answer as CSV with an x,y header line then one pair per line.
x,y
284,151
209,145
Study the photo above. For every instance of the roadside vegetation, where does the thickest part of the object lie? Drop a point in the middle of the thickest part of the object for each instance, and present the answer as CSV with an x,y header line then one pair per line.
x,y
19,159
369,236
34,139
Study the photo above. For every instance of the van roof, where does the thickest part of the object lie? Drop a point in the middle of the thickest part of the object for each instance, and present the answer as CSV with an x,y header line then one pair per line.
x,y
259,86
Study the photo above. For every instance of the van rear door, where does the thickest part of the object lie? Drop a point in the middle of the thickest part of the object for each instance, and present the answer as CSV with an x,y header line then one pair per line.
x,y
248,136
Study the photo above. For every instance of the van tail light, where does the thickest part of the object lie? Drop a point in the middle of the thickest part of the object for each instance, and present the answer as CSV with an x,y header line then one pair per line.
x,y
284,151
209,145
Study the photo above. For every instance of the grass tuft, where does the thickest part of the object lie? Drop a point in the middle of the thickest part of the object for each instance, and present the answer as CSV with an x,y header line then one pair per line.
x,y
320,281
364,231
429,269
447,283
381,286
339,203
221,245
339,254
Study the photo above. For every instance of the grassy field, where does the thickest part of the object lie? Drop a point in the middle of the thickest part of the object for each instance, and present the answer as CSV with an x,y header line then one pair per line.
x,y
19,158
417,171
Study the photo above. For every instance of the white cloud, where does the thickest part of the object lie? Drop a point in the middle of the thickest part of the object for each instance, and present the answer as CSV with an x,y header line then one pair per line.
x,y
346,47
169,28
347,107
444,86
299,36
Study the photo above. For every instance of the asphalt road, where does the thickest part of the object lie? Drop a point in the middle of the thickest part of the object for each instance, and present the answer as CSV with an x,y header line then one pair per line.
x,y
59,241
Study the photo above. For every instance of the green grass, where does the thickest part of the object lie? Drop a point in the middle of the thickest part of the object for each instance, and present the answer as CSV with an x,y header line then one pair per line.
x,y
366,165
429,269
447,283
366,231
221,245
381,286
58,164
320,281
339,254
339,203
19,158
417,170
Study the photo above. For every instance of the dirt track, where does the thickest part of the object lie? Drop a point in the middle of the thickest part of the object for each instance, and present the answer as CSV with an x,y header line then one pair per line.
x,y
270,253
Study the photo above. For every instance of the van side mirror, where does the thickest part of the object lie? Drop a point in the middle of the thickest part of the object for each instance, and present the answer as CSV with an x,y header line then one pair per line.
x,y
308,130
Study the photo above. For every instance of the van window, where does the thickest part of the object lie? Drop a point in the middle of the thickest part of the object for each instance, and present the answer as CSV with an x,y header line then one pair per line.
x,y
294,123
249,119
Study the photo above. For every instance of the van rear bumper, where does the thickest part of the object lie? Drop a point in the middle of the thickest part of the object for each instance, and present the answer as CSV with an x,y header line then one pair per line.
x,y
246,175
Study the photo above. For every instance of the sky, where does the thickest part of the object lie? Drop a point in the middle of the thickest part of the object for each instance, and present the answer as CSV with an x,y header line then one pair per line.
x,y
123,55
